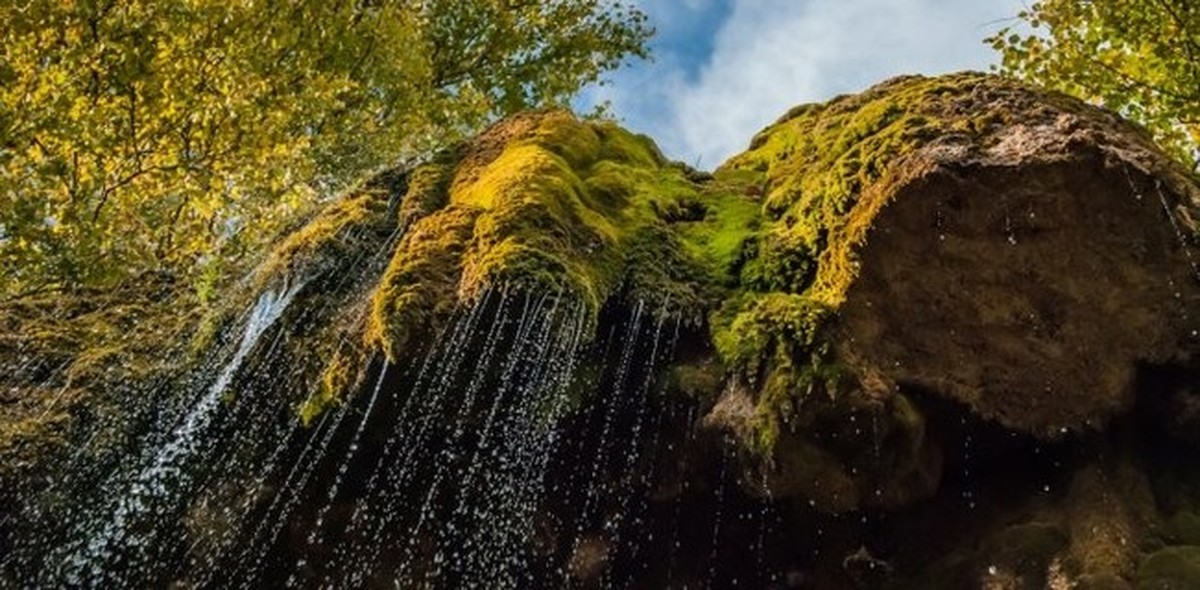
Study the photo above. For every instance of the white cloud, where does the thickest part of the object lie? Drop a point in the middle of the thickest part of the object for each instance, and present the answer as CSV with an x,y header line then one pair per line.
x,y
772,54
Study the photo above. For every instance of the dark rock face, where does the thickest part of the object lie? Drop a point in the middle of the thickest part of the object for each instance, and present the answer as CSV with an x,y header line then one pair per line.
x,y
1028,289
1017,252
1033,263
941,334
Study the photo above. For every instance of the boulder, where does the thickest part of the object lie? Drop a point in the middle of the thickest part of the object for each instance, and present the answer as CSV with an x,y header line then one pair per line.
x,y
1016,251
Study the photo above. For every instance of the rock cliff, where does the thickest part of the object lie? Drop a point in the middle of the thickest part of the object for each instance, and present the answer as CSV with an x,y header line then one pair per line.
x,y
954,309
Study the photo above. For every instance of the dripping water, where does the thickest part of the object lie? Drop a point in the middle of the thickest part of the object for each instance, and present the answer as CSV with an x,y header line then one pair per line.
x,y
165,480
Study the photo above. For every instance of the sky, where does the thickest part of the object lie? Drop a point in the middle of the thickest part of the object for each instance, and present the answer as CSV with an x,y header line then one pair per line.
x,y
724,69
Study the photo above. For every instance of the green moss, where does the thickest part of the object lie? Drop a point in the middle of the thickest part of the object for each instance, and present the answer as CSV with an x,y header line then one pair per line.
x,y
661,272
344,235
427,189
824,172
702,380
772,339
208,331
1185,526
343,374
420,283
577,143
731,219
347,228
749,329
546,202
619,145
816,163
1170,568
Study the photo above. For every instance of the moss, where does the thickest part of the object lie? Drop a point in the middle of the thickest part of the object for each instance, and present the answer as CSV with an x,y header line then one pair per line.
x,y
66,354
538,231
347,228
660,271
34,426
338,253
619,145
1027,549
817,161
772,339
1185,526
824,172
1170,568
350,228
731,220
344,373
700,380
419,285
750,329
427,189
547,202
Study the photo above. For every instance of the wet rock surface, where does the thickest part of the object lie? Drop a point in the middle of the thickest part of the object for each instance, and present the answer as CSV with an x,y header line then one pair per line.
x,y
940,334
1029,288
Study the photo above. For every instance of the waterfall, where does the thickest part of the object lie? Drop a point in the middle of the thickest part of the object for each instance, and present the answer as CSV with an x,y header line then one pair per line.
x,y
165,480
438,474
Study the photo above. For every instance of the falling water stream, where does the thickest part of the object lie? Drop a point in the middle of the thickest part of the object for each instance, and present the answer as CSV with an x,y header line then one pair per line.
x,y
164,481
446,470
525,444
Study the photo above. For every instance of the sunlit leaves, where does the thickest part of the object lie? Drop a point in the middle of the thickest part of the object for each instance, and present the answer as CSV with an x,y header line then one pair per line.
x,y
150,135
1138,57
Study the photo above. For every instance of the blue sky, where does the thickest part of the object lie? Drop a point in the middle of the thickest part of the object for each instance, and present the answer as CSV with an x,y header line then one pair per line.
x,y
723,69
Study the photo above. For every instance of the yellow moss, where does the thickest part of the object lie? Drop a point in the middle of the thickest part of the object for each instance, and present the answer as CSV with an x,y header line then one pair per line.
x,y
427,190
536,231
556,204
575,141
817,162
343,374
420,282
79,347
825,172
635,150
340,230
34,426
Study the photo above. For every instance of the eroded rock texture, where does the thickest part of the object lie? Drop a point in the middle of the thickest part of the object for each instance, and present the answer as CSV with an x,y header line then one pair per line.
x,y
1028,272
943,333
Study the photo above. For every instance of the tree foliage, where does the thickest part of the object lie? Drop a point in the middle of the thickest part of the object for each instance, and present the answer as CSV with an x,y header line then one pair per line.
x,y
1138,57
175,135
